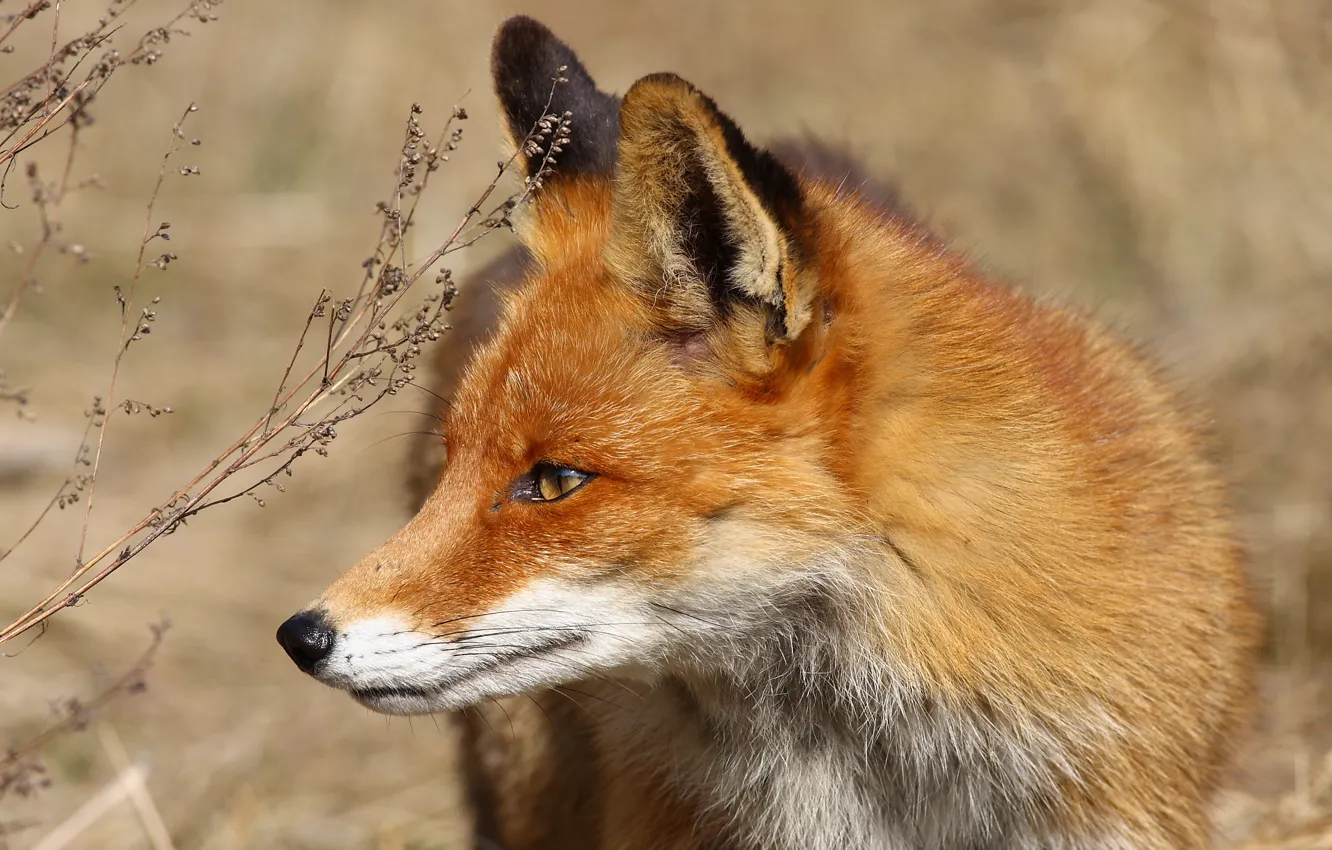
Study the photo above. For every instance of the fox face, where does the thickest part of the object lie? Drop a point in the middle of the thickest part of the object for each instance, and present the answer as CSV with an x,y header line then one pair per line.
x,y
644,459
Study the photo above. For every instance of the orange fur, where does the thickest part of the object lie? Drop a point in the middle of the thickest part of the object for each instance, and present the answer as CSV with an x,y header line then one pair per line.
x,y
1004,508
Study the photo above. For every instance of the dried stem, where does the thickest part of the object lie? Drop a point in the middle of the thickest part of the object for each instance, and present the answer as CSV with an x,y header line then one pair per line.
x,y
366,357
42,102
27,14
49,211
18,115
126,300
21,773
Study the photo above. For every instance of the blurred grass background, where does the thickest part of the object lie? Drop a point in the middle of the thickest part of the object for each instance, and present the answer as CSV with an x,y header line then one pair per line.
x,y
1165,164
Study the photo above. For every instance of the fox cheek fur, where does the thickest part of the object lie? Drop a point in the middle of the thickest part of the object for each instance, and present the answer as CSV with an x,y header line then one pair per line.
x,y
846,544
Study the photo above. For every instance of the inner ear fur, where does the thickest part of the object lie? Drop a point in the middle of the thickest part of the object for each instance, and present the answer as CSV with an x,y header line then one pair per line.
x,y
708,224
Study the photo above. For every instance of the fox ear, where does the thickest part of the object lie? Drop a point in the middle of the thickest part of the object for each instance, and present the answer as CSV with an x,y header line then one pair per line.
x,y
706,223
525,63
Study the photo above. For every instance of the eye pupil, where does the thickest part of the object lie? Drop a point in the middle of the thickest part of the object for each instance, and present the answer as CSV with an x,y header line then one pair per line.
x,y
549,484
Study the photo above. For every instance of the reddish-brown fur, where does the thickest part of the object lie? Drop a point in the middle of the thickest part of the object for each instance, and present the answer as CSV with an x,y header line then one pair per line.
x,y
1050,555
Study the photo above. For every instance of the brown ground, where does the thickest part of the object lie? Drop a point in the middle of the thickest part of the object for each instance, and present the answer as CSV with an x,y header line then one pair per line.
x,y
1165,163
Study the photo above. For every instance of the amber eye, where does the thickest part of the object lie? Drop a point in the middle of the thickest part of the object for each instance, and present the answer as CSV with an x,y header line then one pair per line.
x,y
548,482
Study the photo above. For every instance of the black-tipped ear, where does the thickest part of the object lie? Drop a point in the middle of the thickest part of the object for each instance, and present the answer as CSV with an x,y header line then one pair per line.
x,y
525,62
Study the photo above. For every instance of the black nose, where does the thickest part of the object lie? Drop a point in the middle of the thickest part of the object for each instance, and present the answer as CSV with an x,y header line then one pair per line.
x,y
307,638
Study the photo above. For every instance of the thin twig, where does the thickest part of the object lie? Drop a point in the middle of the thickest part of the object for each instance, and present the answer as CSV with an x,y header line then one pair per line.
x,y
27,14
48,217
126,309
136,788
93,809
358,325
15,764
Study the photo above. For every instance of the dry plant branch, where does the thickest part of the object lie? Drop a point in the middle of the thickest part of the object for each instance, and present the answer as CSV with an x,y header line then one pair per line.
x,y
370,350
94,808
15,21
18,112
135,788
126,301
21,769
48,201
47,99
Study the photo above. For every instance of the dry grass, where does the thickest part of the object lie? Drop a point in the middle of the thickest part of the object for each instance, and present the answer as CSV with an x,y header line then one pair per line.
x,y
1161,162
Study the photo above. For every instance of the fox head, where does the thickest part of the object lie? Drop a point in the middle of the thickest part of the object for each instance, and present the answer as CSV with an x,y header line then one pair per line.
x,y
649,456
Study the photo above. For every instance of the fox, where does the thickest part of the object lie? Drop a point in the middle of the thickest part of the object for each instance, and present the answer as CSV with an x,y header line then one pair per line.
x,y
769,521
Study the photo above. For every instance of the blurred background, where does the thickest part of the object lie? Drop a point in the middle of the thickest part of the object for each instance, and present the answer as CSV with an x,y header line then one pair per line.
x,y
1163,164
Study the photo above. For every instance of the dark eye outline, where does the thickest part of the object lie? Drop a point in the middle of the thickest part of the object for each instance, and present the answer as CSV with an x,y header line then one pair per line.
x,y
527,487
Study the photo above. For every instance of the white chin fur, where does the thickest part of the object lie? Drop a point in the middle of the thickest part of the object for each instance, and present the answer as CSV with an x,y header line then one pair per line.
x,y
550,633
515,676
